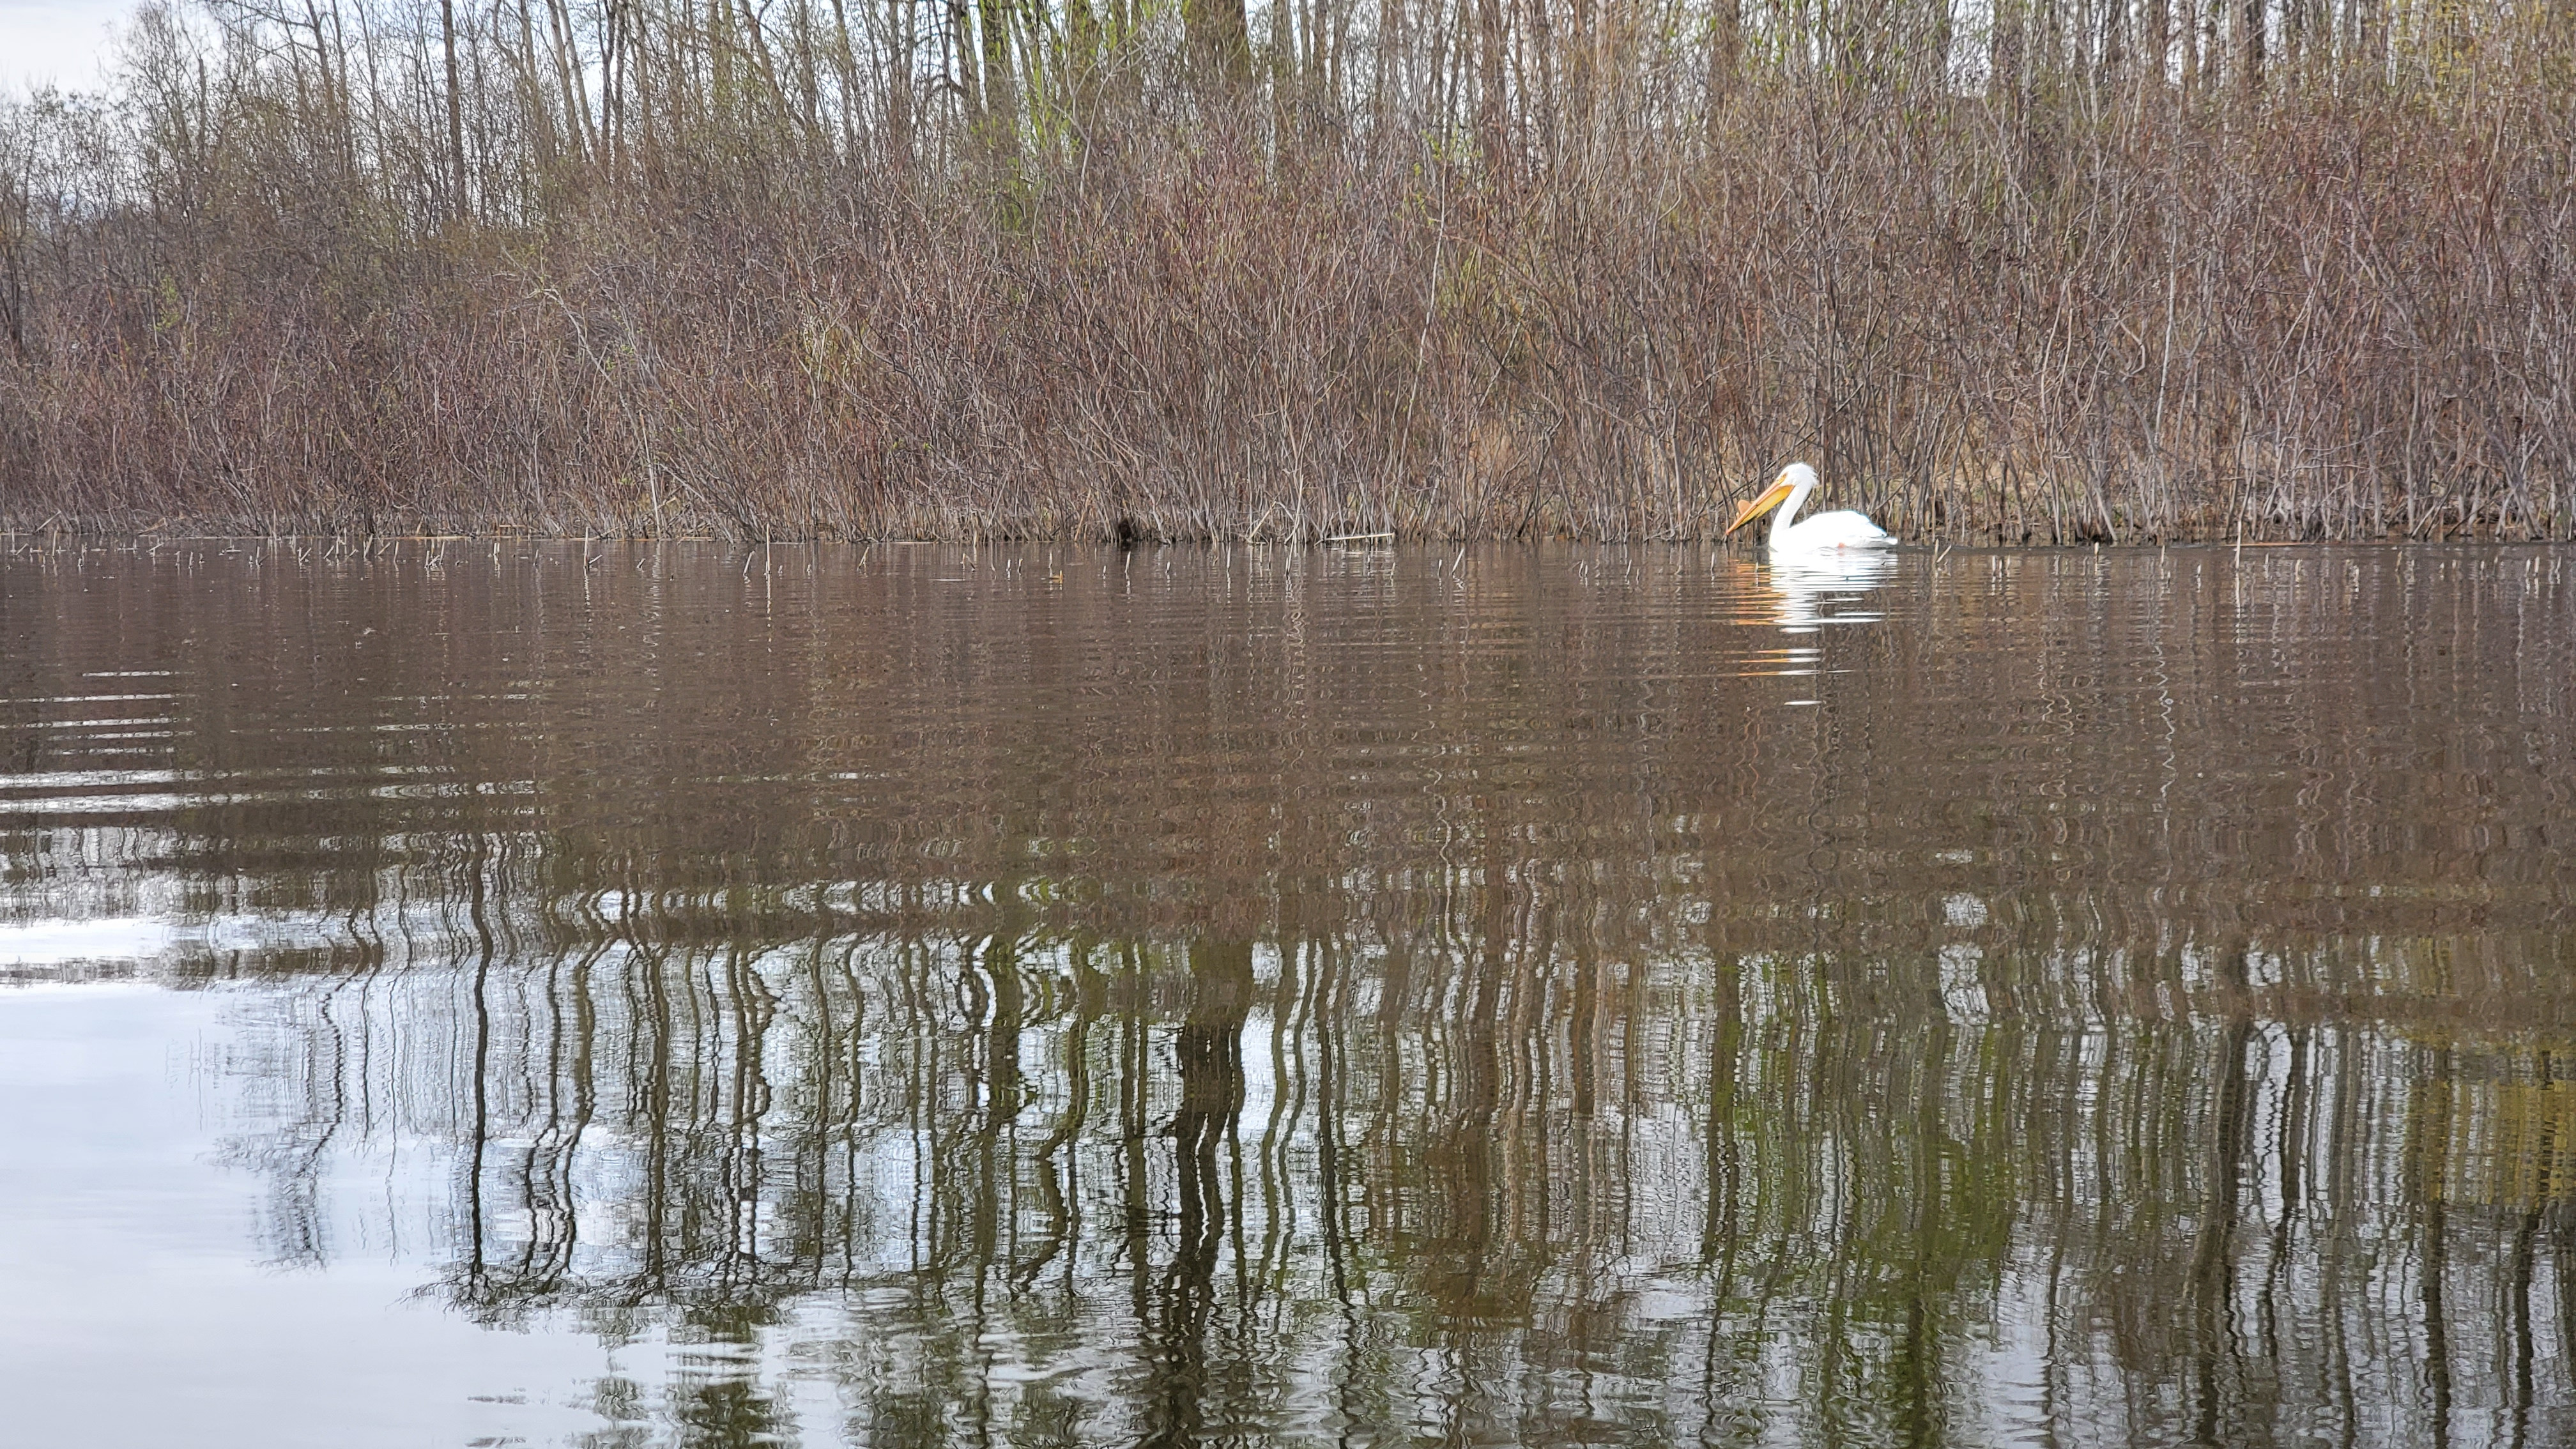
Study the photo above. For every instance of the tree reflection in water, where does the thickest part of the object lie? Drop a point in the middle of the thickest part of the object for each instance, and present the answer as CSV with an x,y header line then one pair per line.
x,y
1490,1180
1241,997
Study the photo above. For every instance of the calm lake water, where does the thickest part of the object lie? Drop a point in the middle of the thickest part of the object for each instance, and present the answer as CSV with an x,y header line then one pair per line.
x,y
639,996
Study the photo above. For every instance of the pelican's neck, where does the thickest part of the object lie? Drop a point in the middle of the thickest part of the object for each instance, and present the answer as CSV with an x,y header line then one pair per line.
x,y
1787,513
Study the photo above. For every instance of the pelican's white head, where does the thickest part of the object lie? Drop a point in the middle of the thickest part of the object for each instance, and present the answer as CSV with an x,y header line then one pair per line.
x,y
1792,487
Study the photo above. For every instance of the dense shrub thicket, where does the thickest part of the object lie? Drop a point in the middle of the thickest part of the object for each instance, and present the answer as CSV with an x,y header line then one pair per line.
x,y
2034,270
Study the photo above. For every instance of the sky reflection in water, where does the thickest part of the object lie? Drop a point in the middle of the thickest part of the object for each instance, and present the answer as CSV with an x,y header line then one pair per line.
x,y
932,995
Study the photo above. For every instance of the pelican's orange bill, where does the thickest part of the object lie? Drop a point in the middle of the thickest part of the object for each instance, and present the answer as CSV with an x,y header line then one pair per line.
x,y
1770,498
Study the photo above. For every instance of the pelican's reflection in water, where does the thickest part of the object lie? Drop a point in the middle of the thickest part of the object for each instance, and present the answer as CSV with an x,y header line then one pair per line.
x,y
1815,589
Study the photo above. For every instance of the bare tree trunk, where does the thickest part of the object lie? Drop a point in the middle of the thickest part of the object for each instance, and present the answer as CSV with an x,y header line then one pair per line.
x,y
2189,33
995,22
1491,96
568,72
2006,53
2250,22
1390,49
962,49
901,16
456,202
1220,41
612,93
2213,51
1725,56
845,70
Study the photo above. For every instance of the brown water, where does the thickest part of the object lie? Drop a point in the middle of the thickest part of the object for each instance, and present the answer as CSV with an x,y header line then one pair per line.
x,y
663,996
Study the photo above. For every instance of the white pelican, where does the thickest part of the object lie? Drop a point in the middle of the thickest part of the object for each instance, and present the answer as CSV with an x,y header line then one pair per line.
x,y
1839,529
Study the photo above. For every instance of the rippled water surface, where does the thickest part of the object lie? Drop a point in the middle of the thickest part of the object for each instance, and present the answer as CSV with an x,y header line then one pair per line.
x,y
620,997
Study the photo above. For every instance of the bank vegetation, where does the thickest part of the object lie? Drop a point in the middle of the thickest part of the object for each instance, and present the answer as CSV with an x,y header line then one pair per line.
x,y
2034,270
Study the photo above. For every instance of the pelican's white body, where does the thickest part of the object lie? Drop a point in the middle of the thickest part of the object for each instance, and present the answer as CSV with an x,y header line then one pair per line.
x,y
1841,528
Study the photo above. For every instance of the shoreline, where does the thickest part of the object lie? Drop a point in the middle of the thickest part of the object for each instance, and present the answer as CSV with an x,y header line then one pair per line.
x,y
93,533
